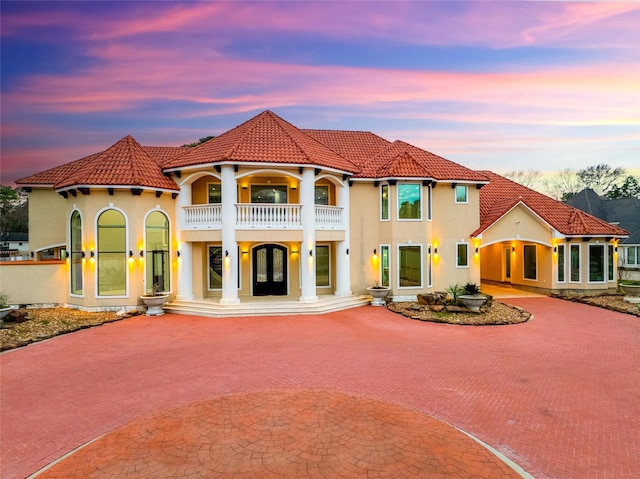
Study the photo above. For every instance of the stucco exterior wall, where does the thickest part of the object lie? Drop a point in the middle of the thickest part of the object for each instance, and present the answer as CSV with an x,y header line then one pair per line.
x,y
518,224
47,219
31,282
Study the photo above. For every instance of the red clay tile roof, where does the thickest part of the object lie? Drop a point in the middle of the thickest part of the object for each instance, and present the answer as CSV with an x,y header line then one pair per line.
x,y
56,174
162,154
124,164
264,138
502,194
402,160
359,147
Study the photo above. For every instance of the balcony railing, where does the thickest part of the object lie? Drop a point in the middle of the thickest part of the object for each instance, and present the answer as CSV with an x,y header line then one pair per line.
x,y
262,216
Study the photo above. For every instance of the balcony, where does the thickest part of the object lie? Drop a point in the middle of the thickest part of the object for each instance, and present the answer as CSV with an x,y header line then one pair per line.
x,y
262,216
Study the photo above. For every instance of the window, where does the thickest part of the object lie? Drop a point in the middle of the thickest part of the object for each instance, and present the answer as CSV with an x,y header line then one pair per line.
x,y
596,263
157,253
384,202
269,194
322,266
560,264
215,193
409,202
632,256
112,254
410,266
461,194
574,252
429,268
529,264
610,276
75,235
462,255
215,267
384,266
429,202
322,194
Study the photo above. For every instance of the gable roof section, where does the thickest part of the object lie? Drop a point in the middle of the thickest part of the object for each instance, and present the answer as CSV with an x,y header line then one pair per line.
x,y
162,154
356,146
400,159
501,195
124,164
623,211
265,138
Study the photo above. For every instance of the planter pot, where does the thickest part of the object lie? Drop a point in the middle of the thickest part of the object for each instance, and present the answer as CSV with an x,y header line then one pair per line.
x,y
631,292
5,311
154,304
473,301
378,295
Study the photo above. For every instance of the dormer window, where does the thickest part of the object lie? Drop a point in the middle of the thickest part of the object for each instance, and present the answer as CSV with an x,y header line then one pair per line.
x,y
462,194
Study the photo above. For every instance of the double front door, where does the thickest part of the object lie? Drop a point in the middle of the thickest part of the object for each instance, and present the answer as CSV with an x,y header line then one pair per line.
x,y
270,270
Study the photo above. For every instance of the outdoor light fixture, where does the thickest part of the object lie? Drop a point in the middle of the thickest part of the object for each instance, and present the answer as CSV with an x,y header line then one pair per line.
x,y
178,253
375,251
347,250
310,252
615,249
84,254
226,253
142,253
429,250
555,249
477,250
32,254
93,254
513,249
435,250
130,254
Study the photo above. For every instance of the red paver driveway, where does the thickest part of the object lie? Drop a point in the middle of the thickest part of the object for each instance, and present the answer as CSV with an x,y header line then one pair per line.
x,y
559,395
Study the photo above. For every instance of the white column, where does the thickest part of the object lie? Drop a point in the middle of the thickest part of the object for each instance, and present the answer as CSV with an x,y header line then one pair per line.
x,y
308,262
185,266
229,245
343,260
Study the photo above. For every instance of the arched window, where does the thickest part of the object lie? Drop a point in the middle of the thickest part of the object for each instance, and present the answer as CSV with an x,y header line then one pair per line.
x,y
157,253
112,254
75,235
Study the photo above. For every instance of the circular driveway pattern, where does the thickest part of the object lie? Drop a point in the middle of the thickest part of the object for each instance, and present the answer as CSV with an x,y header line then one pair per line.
x,y
314,434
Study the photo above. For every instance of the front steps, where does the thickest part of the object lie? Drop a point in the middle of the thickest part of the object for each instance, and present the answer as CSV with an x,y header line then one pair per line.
x,y
266,307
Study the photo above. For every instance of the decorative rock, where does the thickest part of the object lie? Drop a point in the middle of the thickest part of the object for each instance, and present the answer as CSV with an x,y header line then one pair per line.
x,y
436,307
18,316
456,309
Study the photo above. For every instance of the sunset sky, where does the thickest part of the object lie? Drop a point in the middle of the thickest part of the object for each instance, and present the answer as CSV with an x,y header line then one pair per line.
x,y
491,85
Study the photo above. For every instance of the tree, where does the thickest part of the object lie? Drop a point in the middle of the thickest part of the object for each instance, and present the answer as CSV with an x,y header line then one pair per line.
x,y
14,211
529,178
630,188
199,142
600,178
563,185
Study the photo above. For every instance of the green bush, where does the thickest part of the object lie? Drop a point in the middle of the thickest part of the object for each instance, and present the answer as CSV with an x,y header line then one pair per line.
x,y
471,288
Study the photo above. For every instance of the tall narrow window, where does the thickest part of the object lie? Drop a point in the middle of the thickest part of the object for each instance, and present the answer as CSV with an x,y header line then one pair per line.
x,y
410,266
596,263
384,202
429,268
321,194
215,267
157,254
610,276
384,266
429,199
574,252
214,193
462,255
76,253
322,266
409,202
560,264
112,255
530,262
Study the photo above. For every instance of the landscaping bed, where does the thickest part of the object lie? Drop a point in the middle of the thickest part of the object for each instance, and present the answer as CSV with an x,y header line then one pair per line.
x,y
612,302
34,325
496,314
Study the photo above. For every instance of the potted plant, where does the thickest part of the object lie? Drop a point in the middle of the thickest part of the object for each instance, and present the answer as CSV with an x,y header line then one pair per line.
x,y
378,293
154,301
629,287
472,299
5,307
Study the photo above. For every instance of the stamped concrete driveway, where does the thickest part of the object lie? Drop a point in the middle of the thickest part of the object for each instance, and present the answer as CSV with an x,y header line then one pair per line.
x,y
559,395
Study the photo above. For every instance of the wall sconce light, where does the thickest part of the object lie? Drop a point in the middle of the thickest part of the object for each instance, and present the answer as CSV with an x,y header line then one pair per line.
x,y
513,249
142,253
130,254
93,254
615,249
244,186
310,252
375,251
178,253
347,250
226,253
435,250
84,254
244,251
32,254
477,250
555,249
429,250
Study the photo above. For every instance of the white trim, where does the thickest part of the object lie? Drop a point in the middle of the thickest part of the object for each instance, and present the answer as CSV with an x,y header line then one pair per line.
x,y
419,245
195,176
564,265
398,185
532,213
69,251
388,246
462,266
51,246
126,250
516,239
243,164
152,189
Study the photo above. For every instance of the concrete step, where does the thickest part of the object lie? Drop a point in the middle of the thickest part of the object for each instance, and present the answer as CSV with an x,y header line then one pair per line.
x,y
285,307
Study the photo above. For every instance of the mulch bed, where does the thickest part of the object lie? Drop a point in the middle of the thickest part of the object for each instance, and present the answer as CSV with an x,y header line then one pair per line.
x,y
496,314
612,302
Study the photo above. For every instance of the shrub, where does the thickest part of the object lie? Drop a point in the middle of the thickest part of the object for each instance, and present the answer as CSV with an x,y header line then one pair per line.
x,y
455,291
471,288
4,300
